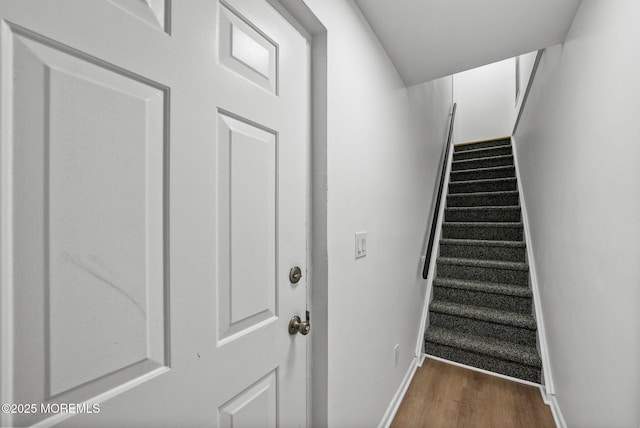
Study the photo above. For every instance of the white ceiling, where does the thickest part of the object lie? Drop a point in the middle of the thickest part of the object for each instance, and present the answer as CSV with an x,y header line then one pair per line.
x,y
427,39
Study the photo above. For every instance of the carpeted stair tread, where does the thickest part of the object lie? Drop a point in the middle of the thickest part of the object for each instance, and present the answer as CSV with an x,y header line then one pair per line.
x,y
487,213
495,231
482,152
481,144
485,223
483,173
484,314
496,348
487,287
485,208
483,199
487,185
500,272
504,160
492,264
482,294
499,192
513,251
484,243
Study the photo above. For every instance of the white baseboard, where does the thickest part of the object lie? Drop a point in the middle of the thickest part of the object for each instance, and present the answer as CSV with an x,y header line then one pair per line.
x,y
550,400
476,369
542,336
421,359
399,395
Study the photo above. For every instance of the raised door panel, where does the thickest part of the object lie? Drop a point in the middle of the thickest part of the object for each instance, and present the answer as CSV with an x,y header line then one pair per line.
x,y
255,406
246,50
153,12
247,226
89,156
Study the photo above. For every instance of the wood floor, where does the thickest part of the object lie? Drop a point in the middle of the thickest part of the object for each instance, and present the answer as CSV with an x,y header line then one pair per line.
x,y
443,395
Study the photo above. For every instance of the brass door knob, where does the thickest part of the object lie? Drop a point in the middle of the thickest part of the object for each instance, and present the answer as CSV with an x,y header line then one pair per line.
x,y
296,325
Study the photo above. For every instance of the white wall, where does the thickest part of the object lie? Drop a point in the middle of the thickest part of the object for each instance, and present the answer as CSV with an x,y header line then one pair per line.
x,y
382,146
486,97
431,103
578,147
486,102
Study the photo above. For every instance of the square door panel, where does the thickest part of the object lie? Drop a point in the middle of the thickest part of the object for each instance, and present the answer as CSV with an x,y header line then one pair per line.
x,y
256,406
246,50
89,233
247,225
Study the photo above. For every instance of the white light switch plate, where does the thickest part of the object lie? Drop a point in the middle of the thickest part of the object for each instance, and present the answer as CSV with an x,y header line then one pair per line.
x,y
361,244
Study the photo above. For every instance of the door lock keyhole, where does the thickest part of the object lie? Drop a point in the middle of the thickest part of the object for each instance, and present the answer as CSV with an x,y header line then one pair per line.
x,y
295,274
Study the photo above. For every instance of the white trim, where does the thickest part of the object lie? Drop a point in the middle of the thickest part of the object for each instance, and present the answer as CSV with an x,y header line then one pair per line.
x,y
487,372
434,255
550,400
524,97
302,18
542,337
399,395
421,359
6,223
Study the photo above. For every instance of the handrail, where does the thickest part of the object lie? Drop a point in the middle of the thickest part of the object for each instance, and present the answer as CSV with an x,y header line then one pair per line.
x,y
436,211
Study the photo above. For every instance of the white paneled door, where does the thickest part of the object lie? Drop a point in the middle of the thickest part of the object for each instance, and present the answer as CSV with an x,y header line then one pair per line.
x,y
153,178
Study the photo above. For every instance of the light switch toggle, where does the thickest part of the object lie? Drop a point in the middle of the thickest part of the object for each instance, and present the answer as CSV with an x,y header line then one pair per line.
x,y
361,244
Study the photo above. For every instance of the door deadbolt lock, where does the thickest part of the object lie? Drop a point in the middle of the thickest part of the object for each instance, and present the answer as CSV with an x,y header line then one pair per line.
x,y
296,325
295,274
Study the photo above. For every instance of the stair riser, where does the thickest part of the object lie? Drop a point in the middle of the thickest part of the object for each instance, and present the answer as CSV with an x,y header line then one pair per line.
x,y
476,273
482,200
483,145
483,174
486,300
505,254
490,233
483,186
522,336
485,362
486,152
482,163
486,214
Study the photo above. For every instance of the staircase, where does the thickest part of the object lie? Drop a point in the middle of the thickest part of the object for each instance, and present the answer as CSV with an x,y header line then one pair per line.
x,y
481,314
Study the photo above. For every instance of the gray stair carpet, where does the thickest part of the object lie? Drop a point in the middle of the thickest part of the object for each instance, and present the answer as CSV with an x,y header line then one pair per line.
x,y
481,313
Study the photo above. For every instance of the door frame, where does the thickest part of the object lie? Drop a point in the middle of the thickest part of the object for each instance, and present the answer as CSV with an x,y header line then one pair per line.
x,y
309,25
6,230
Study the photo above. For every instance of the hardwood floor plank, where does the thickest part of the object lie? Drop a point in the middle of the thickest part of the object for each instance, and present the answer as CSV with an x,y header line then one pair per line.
x,y
443,395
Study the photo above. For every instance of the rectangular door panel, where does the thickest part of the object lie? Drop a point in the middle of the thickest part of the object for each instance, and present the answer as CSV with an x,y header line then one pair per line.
x,y
248,182
246,50
89,169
